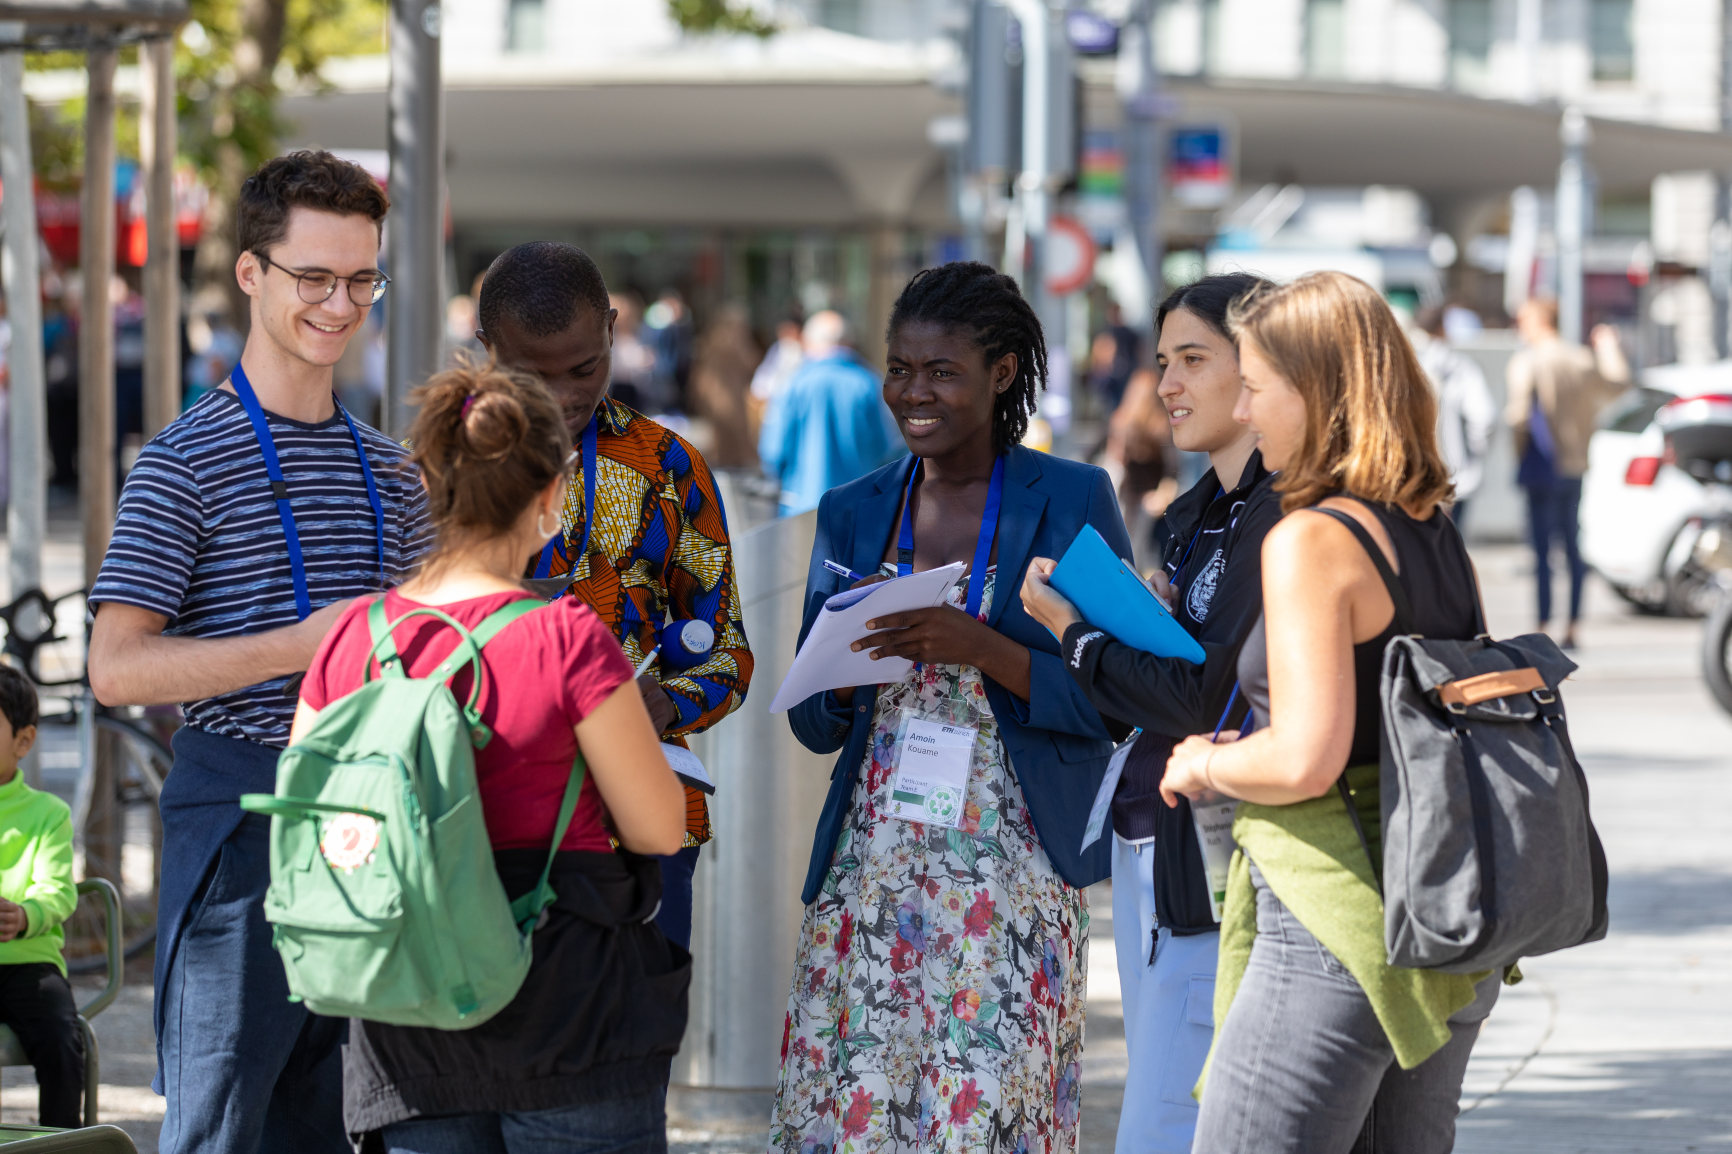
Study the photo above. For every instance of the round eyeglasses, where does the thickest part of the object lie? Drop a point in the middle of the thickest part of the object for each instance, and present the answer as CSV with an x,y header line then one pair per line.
x,y
316,287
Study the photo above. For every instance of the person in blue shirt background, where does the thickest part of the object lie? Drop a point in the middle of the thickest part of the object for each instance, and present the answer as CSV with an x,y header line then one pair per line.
x,y
829,425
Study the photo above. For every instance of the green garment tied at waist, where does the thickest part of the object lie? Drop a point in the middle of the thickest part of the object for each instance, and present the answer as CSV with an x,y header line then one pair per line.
x,y
1311,857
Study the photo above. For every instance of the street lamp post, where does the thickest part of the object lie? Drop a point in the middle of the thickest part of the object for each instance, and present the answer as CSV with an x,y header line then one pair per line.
x,y
1139,90
1572,218
416,241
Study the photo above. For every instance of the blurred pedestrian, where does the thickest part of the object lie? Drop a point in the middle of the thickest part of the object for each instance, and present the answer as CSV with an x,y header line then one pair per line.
x,y
669,335
460,325
634,363
1466,412
778,367
60,320
1556,392
722,368
830,425
1138,454
1319,1041
1113,357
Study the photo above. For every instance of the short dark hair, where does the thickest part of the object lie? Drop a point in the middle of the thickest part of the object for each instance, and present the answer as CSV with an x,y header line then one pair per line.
x,y
1209,299
18,699
305,179
540,285
975,298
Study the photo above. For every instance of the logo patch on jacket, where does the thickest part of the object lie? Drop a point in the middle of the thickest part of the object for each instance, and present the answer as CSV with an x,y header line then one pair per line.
x,y
1202,592
1082,643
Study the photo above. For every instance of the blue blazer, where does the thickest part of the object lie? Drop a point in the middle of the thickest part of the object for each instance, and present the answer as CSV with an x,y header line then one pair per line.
x,y
1057,742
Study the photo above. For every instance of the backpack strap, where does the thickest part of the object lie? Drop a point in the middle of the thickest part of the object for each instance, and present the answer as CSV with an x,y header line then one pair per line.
x,y
1397,594
1403,623
467,652
526,911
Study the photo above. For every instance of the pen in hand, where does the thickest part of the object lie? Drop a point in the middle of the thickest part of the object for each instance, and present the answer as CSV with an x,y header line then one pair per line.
x,y
843,571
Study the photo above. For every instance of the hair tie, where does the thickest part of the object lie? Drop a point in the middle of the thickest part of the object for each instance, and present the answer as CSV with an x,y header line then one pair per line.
x,y
467,402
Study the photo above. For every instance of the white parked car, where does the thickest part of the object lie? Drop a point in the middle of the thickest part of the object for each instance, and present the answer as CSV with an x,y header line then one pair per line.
x,y
1642,516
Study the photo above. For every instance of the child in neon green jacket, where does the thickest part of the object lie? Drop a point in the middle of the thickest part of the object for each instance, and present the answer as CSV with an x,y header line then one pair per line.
x,y
36,895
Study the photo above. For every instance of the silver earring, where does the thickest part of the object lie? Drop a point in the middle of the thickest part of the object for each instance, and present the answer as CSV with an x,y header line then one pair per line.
x,y
539,528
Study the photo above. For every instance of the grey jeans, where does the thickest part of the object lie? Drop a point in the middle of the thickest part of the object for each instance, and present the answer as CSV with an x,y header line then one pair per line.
x,y
1302,1064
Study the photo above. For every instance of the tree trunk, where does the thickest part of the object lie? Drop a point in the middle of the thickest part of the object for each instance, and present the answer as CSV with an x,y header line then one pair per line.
x,y
251,96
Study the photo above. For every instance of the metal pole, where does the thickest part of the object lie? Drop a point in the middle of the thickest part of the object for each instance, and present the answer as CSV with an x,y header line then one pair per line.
x,y
1031,186
1140,91
415,229
26,426
1720,234
1572,213
96,481
987,152
96,326
157,146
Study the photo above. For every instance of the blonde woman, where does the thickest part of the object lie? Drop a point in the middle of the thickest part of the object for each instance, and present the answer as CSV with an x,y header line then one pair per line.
x,y
1319,1040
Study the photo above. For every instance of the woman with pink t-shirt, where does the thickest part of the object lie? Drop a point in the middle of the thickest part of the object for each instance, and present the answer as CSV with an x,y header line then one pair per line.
x,y
579,1059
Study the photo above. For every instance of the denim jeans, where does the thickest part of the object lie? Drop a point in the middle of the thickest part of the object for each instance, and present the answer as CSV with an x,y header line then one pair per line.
x,y
245,1070
617,1126
1169,1005
1552,516
1302,1065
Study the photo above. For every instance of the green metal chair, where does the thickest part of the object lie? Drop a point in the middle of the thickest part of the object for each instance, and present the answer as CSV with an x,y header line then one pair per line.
x,y
90,1140
12,1051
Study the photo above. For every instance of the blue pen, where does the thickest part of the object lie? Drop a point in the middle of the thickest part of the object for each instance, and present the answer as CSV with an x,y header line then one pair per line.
x,y
843,571
1222,724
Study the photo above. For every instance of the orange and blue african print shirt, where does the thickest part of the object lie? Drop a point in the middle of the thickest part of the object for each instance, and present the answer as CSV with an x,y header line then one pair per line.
x,y
658,551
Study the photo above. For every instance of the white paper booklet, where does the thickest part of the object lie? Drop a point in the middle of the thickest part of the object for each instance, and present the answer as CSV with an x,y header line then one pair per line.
x,y
825,661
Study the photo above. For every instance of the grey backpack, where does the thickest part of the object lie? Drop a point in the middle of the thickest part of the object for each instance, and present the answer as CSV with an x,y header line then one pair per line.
x,y
1489,854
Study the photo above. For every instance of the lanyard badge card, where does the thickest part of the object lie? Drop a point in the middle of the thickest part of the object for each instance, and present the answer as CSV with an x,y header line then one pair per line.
x,y
1214,822
933,754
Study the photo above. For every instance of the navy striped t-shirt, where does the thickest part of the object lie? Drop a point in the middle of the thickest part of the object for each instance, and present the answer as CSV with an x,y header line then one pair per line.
x,y
198,538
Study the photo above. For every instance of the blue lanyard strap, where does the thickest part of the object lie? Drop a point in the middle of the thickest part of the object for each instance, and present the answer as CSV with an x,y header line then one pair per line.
x,y
982,546
586,462
280,489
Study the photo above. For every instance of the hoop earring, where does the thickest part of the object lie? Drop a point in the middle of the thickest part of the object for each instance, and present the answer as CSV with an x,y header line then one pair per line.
x,y
539,518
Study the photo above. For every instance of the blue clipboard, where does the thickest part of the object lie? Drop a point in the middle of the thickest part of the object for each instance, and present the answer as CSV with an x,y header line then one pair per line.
x,y
1110,596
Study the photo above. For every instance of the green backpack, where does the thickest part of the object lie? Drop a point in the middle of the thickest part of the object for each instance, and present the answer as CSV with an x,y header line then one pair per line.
x,y
384,898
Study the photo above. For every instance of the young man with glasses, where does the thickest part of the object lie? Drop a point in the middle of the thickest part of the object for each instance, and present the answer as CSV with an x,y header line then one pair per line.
x,y
245,529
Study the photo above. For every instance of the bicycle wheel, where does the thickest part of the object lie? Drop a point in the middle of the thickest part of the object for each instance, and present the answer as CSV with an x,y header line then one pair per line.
x,y
121,840
1717,652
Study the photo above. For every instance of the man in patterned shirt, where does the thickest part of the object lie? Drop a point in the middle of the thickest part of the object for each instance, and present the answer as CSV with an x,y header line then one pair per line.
x,y
657,543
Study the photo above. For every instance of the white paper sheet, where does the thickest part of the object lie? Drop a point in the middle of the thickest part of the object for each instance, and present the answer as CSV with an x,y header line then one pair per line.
x,y
685,763
825,661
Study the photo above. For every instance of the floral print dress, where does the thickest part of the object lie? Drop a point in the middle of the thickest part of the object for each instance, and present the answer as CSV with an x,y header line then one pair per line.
x,y
937,1002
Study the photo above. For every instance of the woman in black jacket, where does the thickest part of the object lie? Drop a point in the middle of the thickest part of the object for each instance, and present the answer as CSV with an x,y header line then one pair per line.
x,y
1164,924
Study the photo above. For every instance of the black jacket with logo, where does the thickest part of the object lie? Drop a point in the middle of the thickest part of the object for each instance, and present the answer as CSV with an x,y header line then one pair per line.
x,y
1214,560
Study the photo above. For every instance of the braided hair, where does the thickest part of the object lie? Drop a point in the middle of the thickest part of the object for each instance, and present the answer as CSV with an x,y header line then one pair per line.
x,y
977,299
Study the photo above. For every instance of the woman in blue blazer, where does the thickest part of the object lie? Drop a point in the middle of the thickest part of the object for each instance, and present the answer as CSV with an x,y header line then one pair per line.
x,y
938,990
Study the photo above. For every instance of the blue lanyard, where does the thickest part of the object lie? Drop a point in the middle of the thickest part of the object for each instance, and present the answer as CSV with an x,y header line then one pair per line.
x,y
280,488
587,462
1180,568
982,547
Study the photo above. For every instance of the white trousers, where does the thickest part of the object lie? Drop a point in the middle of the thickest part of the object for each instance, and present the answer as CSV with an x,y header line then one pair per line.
x,y
1169,1007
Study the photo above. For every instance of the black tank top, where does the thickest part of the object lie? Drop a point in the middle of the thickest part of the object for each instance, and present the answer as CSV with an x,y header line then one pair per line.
x,y
1433,568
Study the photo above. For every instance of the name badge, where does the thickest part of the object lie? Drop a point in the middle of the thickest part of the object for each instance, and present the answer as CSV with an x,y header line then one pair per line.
x,y
931,783
1214,821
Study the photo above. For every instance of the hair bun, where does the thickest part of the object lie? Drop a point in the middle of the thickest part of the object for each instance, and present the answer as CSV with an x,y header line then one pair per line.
x,y
494,425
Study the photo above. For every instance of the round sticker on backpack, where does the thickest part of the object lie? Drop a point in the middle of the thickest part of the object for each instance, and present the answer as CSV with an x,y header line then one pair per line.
x,y
349,841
